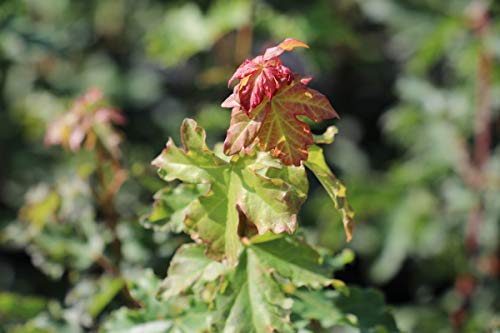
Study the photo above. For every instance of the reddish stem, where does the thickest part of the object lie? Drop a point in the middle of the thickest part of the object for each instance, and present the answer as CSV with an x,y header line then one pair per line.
x,y
482,125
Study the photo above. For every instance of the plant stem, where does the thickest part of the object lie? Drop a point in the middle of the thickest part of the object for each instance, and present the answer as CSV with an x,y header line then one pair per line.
x,y
107,194
482,125
105,200
108,266
474,172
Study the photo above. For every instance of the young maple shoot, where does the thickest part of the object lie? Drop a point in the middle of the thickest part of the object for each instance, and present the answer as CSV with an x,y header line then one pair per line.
x,y
240,205
266,103
252,193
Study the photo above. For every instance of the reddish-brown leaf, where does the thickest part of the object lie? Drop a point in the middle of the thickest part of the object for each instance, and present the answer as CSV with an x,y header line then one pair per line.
x,y
286,45
282,132
243,130
274,124
263,75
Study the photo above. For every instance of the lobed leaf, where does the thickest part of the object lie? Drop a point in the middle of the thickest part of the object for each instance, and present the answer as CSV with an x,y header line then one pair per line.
x,y
170,205
363,309
180,315
247,194
275,124
295,260
255,300
189,266
282,132
243,130
262,76
255,303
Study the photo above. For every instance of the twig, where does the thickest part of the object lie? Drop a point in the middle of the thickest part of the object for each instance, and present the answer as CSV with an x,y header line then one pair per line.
x,y
105,198
472,169
108,266
482,125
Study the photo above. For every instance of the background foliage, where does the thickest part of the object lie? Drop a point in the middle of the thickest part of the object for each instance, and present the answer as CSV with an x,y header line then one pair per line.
x,y
413,81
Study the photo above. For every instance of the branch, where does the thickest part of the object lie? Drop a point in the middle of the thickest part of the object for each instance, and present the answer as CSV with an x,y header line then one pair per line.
x,y
108,267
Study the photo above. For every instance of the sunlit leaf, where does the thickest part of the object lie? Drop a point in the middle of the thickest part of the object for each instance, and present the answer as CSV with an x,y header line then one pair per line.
x,y
247,194
189,266
294,260
170,204
255,302
287,45
334,187
276,126
327,137
263,75
282,132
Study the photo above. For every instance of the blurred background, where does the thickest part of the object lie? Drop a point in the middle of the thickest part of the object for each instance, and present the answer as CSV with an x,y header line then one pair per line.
x,y
417,86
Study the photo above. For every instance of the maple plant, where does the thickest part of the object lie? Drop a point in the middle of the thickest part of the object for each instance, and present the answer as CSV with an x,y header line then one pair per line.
x,y
249,270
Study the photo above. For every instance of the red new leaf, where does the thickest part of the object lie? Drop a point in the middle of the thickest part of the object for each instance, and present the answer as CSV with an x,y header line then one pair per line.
x,y
243,130
286,45
275,124
263,75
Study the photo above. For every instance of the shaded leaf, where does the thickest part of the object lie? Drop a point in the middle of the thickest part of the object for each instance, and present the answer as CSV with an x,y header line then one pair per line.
x,y
19,307
89,119
182,315
360,308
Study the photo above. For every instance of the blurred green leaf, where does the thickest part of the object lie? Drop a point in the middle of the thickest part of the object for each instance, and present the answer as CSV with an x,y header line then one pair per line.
x,y
360,308
186,30
16,307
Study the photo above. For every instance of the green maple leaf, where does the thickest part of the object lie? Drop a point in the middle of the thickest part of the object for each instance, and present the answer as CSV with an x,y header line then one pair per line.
x,y
334,187
256,300
190,268
256,303
294,260
169,206
363,309
275,123
179,315
248,194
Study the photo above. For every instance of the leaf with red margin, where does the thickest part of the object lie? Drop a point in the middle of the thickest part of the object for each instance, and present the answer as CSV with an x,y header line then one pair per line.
x,y
275,124
243,130
253,191
285,135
